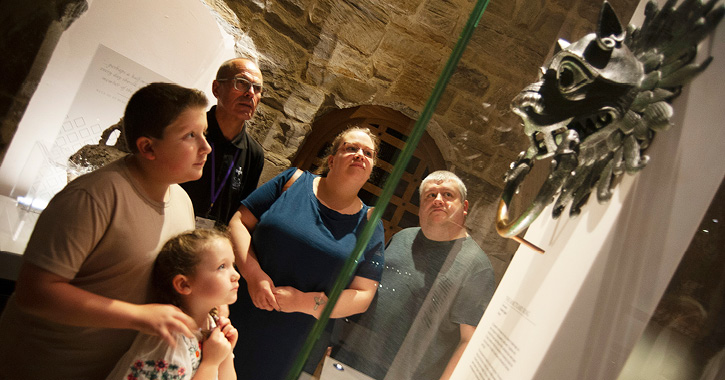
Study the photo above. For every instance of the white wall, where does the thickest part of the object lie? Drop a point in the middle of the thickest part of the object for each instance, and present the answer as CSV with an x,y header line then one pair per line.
x,y
178,39
577,311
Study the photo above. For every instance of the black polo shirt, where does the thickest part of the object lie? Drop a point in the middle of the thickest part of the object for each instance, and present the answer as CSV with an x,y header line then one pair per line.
x,y
242,158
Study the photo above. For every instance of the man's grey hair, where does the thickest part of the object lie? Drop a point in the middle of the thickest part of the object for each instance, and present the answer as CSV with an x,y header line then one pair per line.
x,y
441,176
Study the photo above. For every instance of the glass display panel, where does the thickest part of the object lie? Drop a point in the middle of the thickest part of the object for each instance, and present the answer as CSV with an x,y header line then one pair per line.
x,y
482,136
472,132
685,338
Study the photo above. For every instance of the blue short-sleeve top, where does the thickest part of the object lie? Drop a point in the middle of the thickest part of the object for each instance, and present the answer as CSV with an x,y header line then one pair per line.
x,y
300,242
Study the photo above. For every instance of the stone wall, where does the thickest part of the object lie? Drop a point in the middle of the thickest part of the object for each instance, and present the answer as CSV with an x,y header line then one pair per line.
x,y
320,55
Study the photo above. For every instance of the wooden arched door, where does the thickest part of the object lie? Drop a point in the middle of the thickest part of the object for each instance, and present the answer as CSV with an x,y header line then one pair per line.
x,y
393,128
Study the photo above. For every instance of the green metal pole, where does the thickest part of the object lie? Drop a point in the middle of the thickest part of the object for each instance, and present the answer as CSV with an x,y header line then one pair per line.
x,y
348,269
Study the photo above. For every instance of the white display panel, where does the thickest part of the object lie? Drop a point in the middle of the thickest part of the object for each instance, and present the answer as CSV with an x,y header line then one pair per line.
x,y
577,311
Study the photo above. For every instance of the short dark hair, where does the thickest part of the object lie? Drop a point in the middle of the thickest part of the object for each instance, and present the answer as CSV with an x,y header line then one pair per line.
x,y
152,108
180,255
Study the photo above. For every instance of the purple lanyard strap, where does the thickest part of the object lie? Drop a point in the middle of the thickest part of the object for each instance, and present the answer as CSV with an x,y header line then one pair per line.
x,y
215,192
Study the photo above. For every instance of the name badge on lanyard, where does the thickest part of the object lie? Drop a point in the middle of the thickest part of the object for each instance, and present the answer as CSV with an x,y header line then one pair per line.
x,y
204,223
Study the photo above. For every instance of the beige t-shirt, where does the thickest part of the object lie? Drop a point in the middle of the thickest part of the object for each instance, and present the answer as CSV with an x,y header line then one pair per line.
x,y
102,232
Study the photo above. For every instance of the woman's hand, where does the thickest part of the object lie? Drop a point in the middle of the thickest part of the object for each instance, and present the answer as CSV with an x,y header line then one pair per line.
x,y
292,300
261,290
289,299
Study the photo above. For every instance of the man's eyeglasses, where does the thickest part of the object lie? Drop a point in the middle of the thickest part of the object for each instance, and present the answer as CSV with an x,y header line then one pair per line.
x,y
243,85
351,148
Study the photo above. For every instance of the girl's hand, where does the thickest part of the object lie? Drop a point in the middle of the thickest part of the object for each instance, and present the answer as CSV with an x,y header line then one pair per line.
x,y
164,320
261,289
215,348
232,335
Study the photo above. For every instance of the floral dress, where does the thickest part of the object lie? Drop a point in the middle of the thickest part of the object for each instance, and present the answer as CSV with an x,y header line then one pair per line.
x,y
151,358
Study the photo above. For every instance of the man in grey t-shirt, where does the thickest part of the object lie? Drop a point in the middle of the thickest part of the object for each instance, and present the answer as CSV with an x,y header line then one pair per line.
x,y
435,287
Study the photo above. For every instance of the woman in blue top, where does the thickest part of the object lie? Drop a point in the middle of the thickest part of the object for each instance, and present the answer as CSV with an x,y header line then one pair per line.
x,y
290,245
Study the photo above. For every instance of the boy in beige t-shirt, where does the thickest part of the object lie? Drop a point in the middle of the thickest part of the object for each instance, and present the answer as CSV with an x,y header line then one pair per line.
x,y
83,289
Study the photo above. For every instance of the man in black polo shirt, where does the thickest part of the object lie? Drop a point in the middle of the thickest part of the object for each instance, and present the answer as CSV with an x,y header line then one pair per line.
x,y
233,167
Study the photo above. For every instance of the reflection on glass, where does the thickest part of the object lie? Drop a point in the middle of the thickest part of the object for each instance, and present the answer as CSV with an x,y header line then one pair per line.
x,y
435,292
390,153
435,286
685,339
408,220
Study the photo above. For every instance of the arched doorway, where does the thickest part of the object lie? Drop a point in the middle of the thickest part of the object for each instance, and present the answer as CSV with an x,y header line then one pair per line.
x,y
393,128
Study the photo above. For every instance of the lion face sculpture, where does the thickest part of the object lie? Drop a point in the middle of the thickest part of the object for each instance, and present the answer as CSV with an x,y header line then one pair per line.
x,y
600,101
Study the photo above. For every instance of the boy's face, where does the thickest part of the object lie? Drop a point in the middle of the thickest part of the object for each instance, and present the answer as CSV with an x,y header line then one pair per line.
x,y
182,151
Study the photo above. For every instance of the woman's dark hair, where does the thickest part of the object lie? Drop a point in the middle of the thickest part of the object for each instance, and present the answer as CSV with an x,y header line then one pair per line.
x,y
323,168
180,255
152,108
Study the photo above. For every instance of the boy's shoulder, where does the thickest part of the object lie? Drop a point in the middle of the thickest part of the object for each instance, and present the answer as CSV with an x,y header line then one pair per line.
x,y
105,184
104,177
114,182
